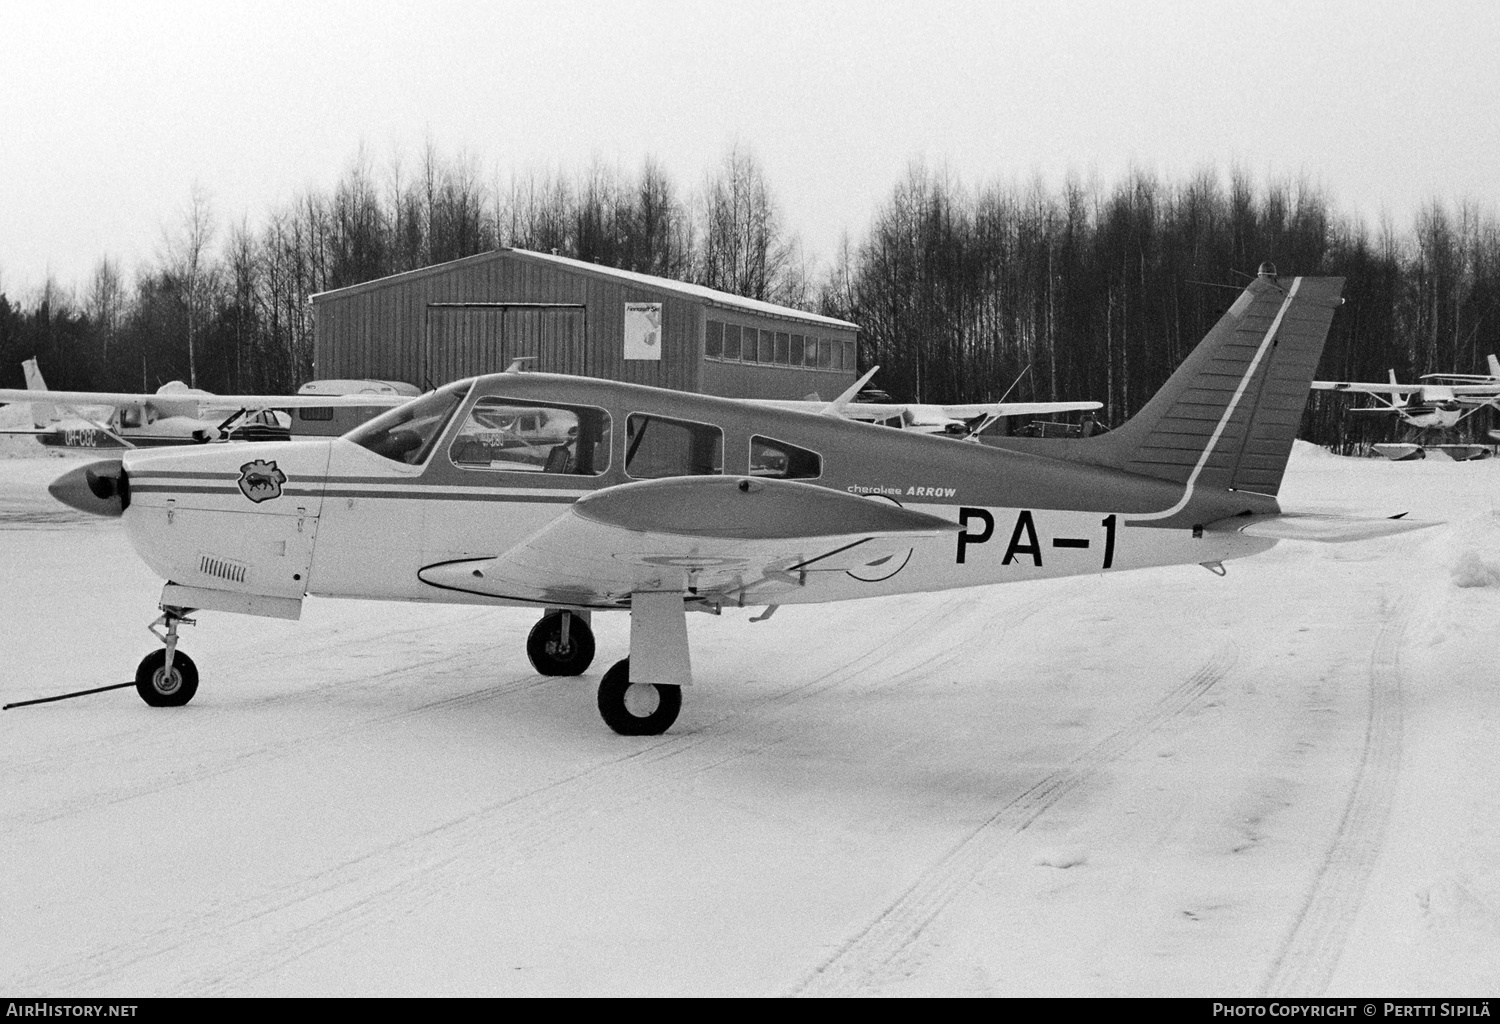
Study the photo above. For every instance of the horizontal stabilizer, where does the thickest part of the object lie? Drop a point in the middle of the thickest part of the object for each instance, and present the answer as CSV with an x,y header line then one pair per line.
x,y
1330,529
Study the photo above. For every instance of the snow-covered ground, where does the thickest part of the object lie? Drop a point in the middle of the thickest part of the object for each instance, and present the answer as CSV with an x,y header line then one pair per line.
x,y
1285,781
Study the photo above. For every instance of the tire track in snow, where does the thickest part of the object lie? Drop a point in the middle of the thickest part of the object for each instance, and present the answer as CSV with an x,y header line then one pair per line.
x,y
547,818
1310,954
876,952
226,947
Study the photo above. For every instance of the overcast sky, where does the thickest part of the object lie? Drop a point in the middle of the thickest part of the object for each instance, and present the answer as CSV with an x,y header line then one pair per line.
x,y
109,112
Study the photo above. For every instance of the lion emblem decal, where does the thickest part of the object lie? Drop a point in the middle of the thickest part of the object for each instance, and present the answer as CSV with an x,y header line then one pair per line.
x,y
261,480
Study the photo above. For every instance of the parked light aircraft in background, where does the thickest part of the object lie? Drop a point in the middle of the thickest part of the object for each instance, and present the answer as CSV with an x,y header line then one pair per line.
x,y
1426,406
1493,377
959,421
660,503
177,414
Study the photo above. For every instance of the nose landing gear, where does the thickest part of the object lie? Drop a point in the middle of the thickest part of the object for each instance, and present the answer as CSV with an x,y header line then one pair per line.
x,y
165,678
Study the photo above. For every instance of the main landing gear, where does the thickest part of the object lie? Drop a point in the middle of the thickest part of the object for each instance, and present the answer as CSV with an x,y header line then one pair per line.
x,y
561,644
640,703
166,678
641,695
637,709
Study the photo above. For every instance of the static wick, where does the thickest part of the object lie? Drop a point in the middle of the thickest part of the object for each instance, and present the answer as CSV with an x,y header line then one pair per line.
x,y
65,696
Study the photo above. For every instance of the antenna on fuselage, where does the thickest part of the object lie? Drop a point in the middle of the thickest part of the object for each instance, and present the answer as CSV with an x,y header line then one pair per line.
x,y
518,364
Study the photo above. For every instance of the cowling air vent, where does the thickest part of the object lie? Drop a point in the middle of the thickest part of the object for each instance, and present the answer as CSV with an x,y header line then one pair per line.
x,y
224,569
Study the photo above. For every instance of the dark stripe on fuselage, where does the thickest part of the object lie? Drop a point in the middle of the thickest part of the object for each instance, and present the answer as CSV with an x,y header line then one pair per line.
x,y
426,495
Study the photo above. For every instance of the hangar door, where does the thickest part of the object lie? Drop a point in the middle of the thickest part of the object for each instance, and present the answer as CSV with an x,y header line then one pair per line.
x,y
468,338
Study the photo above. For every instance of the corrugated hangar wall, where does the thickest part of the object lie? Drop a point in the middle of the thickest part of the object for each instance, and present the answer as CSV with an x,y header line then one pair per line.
x,y
475,315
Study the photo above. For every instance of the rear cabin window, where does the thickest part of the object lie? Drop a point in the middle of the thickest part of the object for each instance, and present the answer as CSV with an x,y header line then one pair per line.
x,y
783,461
532,437
657,447
408,432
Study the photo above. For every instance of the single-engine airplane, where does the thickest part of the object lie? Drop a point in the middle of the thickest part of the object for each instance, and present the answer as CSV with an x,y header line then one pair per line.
x,y
1425,406
1493,377
660,503
965,422
177,414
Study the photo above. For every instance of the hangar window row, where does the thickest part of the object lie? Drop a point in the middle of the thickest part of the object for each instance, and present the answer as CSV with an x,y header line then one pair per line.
x,y
731,343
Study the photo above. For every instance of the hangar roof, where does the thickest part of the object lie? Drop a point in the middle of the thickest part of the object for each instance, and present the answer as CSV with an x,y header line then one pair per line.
x,y
697,292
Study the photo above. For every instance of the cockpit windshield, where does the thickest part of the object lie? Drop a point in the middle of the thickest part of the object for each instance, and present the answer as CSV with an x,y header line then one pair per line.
x,y
408,432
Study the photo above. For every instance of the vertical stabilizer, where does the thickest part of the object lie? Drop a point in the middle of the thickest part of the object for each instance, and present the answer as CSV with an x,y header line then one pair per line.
x,y
43,414
1224,422
1228,416
1494,367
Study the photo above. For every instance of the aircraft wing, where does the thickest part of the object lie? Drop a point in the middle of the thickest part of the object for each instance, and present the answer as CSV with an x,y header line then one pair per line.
x,y
969,412
889,410
228,403
735,540
1365,389
1003,409
1317,526
1472,391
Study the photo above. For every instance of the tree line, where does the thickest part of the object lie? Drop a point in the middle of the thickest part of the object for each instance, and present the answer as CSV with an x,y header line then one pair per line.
x,y
1082,290
1093,291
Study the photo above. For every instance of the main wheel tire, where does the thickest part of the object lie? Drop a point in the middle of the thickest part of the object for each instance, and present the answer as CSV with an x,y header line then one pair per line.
x,y
548,654
621,703
163,689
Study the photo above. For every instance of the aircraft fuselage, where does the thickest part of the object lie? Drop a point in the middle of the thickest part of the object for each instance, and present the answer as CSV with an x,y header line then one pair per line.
x,y
336,518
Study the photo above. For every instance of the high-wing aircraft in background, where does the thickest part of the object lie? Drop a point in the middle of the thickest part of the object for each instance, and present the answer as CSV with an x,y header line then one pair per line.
x,y
966,422
1425,406
655,502
177,414
1493,377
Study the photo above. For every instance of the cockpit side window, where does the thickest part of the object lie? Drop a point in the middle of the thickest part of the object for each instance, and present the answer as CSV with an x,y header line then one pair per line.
x,y
782,460
657,447
408,432
532,437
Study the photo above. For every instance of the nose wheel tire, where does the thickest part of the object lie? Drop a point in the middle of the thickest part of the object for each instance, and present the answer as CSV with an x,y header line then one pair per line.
x,y
637,709
551,656
163,689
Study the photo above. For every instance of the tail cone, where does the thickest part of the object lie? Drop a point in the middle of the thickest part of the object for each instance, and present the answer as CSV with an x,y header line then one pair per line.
x,y
100,488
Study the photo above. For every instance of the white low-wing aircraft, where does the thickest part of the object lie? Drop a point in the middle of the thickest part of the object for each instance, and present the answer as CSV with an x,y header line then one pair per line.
x,y
659,503
177,414
1427,406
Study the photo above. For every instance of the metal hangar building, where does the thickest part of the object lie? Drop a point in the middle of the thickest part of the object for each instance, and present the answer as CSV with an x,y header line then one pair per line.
x,y
477,314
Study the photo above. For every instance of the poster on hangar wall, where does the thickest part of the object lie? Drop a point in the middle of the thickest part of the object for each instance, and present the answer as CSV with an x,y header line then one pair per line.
x,y
643,330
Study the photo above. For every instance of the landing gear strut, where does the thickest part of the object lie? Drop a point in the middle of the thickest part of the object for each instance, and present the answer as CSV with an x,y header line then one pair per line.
x,y
561,644
166,678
